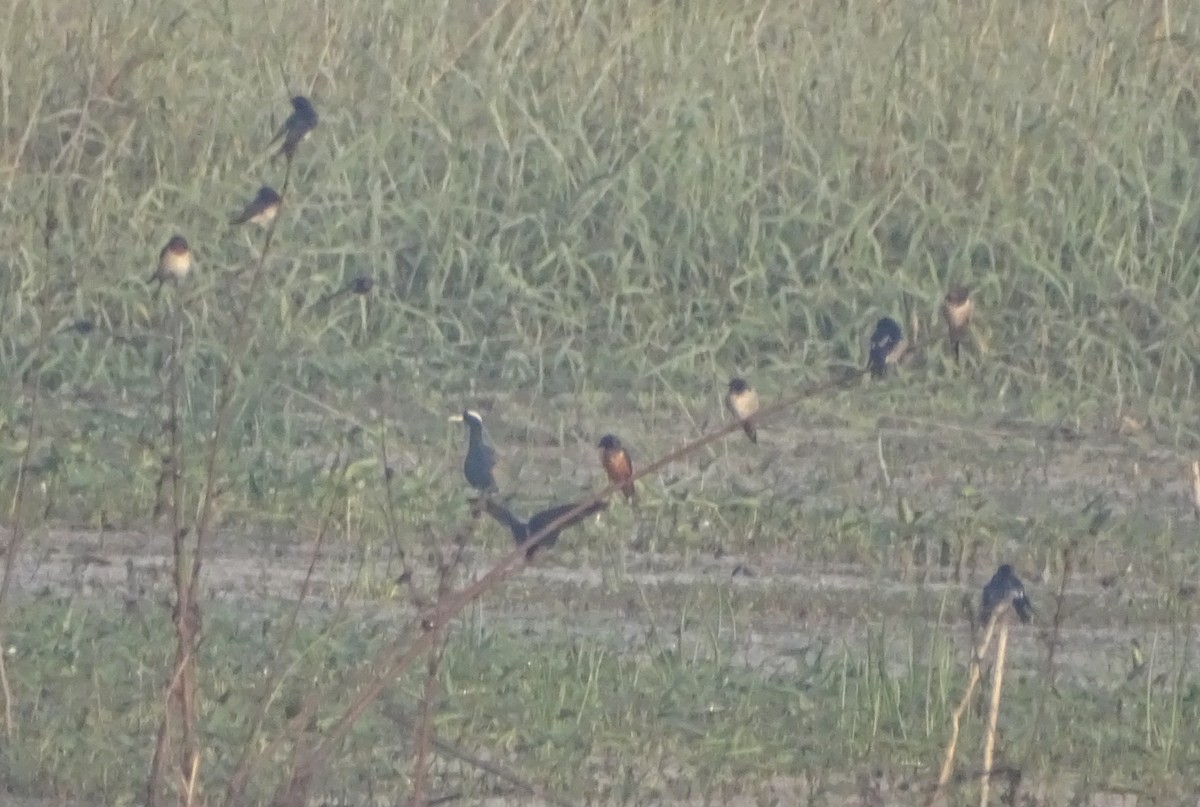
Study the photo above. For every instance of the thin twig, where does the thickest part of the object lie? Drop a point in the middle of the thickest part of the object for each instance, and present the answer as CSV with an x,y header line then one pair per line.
x,y
187,614
989,740
956,716
182,684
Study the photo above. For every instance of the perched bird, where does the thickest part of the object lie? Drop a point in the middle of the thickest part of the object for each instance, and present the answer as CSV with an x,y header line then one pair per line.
x,y
957,309
887,346
617,465
297,126
1004,588
261,210
173,262
523,531
742,402
481,457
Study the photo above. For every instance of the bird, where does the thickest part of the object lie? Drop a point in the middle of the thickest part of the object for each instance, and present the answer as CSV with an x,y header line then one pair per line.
x,y
261,210
618,465
297,126
522,531
1004,588
887,346
957,309
174,262
481,457
742,402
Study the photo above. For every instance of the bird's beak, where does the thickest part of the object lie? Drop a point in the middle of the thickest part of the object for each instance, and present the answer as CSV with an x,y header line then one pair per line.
x,y
456,418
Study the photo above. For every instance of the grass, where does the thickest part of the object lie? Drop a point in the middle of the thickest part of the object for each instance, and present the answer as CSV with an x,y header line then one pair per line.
x,y
583,218
591,717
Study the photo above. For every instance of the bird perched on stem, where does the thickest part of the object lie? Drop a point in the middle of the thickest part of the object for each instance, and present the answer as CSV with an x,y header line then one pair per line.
x,y
1004,588
261,210
297,126
618,465
174,262
522,531
481,457
742,402
887,346
957,309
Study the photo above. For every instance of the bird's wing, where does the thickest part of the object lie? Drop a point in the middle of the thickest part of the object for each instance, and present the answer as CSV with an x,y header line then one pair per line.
x,y
505,517
552,514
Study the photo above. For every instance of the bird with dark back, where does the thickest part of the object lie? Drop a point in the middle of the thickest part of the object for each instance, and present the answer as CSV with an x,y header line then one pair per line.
x,y
1003,589
481,457
522,531
261,210
886,348
297,126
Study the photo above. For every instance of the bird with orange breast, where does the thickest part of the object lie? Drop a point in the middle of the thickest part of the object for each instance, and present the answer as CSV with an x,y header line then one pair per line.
x,y
618,465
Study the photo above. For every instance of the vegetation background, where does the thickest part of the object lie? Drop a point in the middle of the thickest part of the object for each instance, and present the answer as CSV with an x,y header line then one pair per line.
x,y
580,218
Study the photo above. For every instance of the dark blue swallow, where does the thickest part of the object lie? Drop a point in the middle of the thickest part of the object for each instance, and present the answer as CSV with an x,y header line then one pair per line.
x,y
1004,588
481,458
297,126
522,531
887,346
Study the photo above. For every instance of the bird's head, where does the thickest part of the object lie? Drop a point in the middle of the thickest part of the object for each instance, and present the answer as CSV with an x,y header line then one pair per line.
x,y
738,385
958,295
609,442
469,417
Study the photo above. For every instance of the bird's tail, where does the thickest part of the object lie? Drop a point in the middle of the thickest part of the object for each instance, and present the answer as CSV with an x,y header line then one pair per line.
x,y
504,516
877,362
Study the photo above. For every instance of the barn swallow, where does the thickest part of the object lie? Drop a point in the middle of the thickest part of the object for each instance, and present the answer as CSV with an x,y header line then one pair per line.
x,y
262,208
173,262
957,309
887,346
1003,588
617,465
523,531
742,402
481,457
297,126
